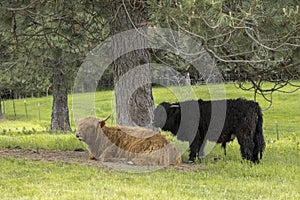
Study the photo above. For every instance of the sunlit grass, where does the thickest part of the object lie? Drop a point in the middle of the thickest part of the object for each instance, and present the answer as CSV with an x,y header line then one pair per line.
x,y
41,141
214,177
220,180
285,109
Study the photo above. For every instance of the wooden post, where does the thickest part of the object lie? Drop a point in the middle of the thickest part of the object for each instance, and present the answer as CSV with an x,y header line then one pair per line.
x,y
14,107
39,111
3,106
26,112
277,133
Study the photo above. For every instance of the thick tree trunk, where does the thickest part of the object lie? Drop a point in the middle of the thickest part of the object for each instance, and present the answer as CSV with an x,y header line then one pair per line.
x,y
60,112
132,76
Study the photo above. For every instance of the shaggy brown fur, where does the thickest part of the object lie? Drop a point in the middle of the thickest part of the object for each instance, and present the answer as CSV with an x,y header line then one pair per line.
x,y
138,145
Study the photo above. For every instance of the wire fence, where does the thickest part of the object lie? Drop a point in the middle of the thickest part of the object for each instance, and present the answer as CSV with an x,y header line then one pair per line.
x,y
278,130
36,110
21,109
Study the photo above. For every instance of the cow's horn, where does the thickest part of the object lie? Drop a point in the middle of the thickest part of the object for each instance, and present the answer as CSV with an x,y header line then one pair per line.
x,y
174,106
107,118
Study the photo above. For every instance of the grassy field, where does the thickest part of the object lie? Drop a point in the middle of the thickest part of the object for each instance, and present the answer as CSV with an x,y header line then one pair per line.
x,y
215,177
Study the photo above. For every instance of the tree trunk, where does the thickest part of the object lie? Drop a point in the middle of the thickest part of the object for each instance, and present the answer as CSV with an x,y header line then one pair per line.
x,y
132,76
60,112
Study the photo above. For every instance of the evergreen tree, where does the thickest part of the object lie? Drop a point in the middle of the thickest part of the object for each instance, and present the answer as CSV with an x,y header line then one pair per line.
x,y
54,35
252,41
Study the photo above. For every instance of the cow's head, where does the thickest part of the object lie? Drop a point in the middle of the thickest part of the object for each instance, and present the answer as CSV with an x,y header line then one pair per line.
x,y
166,117
86,130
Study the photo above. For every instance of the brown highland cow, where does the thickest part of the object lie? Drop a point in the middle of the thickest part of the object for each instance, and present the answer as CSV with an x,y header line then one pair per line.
x,y
131,144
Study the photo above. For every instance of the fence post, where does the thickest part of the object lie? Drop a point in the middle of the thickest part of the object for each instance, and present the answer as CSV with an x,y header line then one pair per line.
x,y
26,112
14,107
3,106
277,133
39,111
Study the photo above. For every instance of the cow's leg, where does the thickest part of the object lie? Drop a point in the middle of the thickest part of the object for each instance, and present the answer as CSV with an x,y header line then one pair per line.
x,y
110,154
224,147
246,144
194,148
256,149
202,143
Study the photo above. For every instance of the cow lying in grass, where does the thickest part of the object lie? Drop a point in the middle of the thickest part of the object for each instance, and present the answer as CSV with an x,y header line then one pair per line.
x,y
131,144
243,119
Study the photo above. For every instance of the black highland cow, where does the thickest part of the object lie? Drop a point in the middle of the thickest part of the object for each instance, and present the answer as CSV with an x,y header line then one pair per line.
x,y
219,121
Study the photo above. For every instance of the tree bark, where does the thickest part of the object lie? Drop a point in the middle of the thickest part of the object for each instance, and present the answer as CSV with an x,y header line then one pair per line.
x,y
132,76
60,112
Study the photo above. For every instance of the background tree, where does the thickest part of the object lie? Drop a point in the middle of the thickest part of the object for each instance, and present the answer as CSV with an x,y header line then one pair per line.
x,y
44,42
55,35
252,41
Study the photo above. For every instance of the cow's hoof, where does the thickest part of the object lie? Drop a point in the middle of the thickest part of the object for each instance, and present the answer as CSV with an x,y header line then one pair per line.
x,y
92,157
190,162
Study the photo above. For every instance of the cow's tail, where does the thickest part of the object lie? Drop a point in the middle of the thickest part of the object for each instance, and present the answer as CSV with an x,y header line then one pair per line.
x,y
260,141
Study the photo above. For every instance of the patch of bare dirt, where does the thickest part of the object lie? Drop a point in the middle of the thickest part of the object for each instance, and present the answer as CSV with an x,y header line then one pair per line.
x,y
71,157
82,158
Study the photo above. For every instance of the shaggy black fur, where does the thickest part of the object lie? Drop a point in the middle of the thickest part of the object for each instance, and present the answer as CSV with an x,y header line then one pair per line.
x,y
238,118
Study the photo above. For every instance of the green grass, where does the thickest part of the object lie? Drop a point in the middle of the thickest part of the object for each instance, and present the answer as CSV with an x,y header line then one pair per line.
x,y
221,180
216,176
42,141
